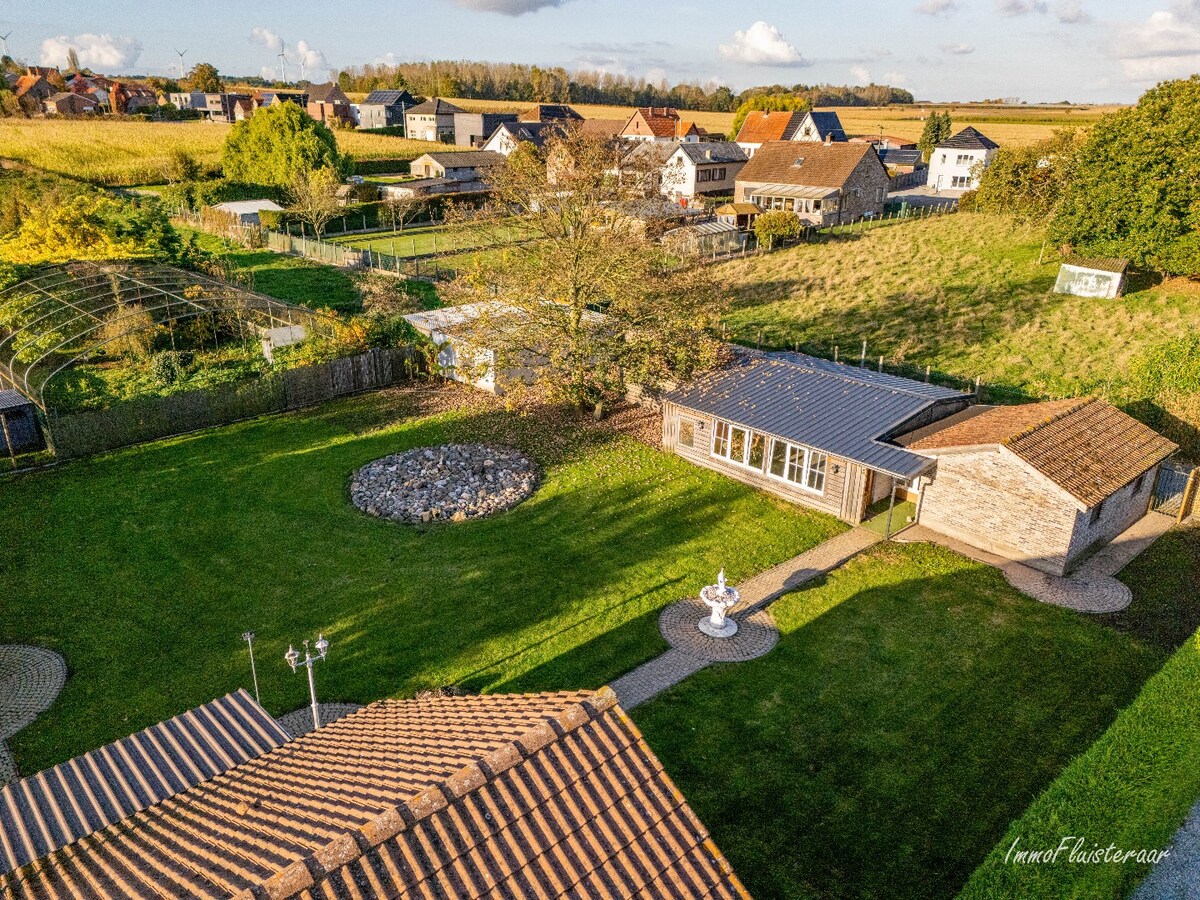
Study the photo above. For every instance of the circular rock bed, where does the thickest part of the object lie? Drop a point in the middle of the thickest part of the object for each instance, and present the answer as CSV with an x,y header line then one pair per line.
x,y
451,482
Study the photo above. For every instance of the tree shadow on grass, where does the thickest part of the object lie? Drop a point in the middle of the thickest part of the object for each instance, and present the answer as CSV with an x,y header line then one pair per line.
x,y
913,708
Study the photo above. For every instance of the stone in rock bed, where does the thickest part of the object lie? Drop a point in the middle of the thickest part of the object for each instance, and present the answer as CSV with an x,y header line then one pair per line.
x,y
450,482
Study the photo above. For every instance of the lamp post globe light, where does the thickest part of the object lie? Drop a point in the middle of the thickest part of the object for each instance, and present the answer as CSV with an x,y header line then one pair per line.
x,y
293,659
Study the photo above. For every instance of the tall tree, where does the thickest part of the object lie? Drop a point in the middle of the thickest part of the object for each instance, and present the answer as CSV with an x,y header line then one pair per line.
x,y
937,130
1135,191
314,197
588,295
204,77
277,145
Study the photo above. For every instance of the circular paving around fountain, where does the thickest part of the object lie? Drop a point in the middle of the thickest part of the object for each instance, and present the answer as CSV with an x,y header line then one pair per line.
x,y
450,482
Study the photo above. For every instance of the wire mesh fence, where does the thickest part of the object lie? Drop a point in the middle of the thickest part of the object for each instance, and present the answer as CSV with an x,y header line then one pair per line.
x,y
151,418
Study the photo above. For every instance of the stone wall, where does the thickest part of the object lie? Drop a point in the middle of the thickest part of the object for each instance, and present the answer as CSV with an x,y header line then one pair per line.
x,y
991,500
1119,512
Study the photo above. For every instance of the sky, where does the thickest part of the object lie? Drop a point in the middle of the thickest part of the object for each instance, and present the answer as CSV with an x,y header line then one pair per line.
x,y
941,50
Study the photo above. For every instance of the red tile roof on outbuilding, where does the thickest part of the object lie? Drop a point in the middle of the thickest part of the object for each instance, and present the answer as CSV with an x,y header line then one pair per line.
x,y
538,795
760,127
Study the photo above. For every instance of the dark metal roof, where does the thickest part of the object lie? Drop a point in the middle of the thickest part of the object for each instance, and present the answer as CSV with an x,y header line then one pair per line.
x,y
828,123
1099,263
58,806
970,139
13,400
436,106
900,157
712,151
839,409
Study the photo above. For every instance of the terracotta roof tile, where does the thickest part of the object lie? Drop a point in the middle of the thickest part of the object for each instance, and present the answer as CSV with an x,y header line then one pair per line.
x,y
1087,447
760,127
496,796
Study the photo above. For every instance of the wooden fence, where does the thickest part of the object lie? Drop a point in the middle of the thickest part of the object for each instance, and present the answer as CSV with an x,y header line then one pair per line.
x,y
151,418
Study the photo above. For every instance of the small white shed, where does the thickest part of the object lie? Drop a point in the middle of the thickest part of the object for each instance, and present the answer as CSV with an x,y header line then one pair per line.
x,y
246,211
1102,278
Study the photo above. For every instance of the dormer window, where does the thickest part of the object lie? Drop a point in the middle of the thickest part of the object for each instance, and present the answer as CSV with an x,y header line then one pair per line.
x,y
798,163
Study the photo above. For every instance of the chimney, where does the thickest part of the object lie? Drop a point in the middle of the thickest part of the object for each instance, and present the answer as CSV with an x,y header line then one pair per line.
x,y
708,154
829,139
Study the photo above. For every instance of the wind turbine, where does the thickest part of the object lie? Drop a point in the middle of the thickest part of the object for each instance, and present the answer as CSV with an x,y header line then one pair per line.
x,y
4,41
181,52
302,67
282,66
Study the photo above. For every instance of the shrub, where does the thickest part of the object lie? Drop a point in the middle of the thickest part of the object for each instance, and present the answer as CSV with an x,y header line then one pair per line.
x,y
777,225
169,366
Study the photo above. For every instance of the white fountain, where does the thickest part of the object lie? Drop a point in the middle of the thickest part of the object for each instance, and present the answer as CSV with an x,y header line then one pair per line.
x,y
720,598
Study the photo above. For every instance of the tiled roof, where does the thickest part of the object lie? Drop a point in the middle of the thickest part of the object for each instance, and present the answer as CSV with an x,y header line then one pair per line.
x,y
436,106
465,159
602,127
550,112
969,139
839,409
59,806
540,795
712,151
329,92
811,164
1087,447
760,127
25,83
663,121
827,124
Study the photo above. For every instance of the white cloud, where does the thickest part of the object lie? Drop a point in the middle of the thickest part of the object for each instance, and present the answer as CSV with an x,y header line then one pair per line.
x,y
268,74
1071,12
861,74
311,58
656,75
895,79
268,38
103,52
960,49
1020,7
1165,45
762,44
509,7
936,7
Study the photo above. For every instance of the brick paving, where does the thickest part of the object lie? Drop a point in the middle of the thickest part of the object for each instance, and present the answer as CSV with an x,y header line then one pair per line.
x,y
299,721
1091,591
30,679
691,650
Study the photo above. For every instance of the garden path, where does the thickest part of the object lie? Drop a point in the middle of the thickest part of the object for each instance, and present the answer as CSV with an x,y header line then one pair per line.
x,y
30,679
692,650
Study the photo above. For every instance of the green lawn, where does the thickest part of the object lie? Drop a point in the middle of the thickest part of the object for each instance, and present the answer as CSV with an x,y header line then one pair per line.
x,y
1134,786
144,567
914,706
429,239
966,295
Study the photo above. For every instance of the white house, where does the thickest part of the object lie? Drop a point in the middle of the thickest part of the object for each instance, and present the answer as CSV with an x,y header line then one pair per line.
x,y
707,167
246,211
820,127
956,164
509,135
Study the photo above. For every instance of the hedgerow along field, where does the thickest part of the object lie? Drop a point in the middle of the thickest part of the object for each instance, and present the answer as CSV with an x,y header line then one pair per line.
x,y
144,567
117,152
966,295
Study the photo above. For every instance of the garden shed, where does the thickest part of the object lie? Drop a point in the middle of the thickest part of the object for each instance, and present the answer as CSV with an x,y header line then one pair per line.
x,y
247,211
20,430
705,239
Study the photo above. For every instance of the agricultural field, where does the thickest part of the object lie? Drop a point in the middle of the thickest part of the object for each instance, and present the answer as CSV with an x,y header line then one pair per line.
x,y
427,240
1017,125
122,153
967,295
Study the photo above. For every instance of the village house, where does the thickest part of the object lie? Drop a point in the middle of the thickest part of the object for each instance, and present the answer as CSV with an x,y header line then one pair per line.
x,y
472,129
262,99
329,104
225,107
1043,483
32,91
820,127
759,127
129,97
814,432
454,165
550,112
692,169
602,129
659,123
500,795
901,162
384,109
432,120
509,135
188,100
956,164
824,184
66,103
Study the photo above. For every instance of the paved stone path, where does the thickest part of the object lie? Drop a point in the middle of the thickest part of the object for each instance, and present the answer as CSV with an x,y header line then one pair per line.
x,y
30,679
1178,876
691,650
1092,590
299,721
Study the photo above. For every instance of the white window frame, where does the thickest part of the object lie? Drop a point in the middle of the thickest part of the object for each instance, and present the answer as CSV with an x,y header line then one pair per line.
x,y
810,460
743,461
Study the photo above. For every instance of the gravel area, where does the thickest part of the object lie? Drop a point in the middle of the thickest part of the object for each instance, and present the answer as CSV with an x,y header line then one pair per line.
x,y
450,482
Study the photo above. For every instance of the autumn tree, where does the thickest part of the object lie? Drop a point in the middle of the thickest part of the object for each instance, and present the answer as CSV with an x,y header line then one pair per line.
x,y
314,198
767,103
776,225
586,300
91,226
204,77
404,209
277,145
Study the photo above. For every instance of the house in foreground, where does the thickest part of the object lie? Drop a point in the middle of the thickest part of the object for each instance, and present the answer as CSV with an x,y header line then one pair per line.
x,y
956,164
693,169
519,795
66,103
1042,483
824,184
814,432
510,135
